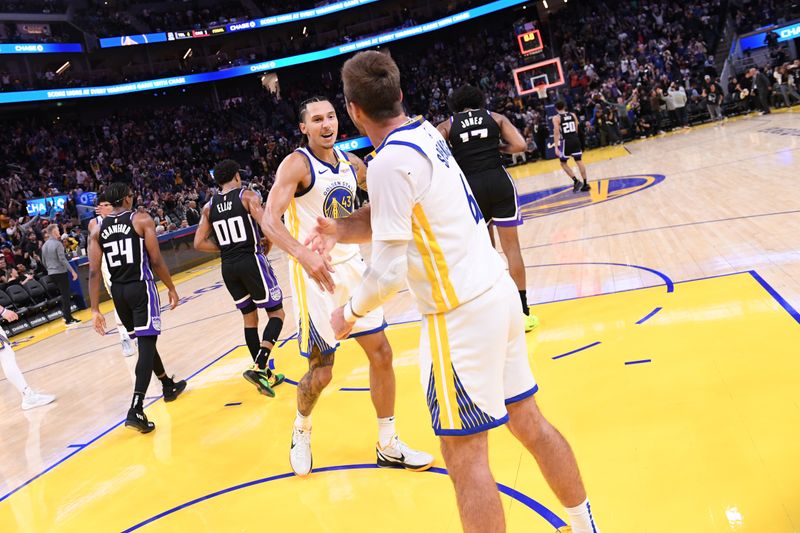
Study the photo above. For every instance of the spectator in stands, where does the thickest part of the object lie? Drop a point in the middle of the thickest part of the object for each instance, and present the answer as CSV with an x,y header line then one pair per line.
x,y
784,82
57,266
677,95
760,89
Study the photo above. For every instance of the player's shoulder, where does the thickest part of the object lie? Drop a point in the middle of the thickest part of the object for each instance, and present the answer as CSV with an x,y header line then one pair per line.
x,y
297,164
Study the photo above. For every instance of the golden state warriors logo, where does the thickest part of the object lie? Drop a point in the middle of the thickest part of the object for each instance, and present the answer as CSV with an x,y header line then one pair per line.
x,y
550,201
338,201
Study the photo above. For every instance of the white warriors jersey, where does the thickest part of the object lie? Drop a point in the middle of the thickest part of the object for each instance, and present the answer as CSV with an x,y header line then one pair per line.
x,y
419,193
103,266
331,194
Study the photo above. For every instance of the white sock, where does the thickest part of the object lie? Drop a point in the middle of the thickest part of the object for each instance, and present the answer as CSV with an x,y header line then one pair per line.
x,y
123,335
581,519
302,422
385,431
9,363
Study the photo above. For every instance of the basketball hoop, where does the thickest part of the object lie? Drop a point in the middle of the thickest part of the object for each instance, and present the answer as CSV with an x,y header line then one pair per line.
x,y
541,92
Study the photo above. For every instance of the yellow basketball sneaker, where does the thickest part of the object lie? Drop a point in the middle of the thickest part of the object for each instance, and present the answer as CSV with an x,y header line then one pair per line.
x,y
531,321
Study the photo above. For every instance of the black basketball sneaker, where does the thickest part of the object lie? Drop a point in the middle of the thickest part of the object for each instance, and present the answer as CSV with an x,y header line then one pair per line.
x,y
172,391
138,420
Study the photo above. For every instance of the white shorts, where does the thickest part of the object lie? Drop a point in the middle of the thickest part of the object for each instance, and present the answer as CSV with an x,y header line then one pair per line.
x,y
474,361
4,341
313,307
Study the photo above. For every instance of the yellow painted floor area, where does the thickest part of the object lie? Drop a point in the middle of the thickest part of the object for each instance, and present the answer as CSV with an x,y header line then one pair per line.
x,y
701,438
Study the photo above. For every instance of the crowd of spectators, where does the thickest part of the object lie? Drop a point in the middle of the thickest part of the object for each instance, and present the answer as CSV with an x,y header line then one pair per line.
x,y
630,73
34,6
754,14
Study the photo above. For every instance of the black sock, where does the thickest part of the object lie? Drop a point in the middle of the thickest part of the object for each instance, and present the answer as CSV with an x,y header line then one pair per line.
x,y
523,296
271,333
574,179
138,401
251,339
166,381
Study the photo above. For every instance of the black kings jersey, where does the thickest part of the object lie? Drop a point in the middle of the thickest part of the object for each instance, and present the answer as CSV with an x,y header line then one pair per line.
x,y
475,139
569,127
237,233
123,249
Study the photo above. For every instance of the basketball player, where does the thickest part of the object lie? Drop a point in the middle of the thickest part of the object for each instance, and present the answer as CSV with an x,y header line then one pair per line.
x,y
8,361
102,210
568,144
477,136
126,241
427,230
315,181
233,214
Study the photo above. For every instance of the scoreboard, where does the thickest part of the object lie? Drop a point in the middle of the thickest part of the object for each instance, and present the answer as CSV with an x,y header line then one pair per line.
x,y
530,42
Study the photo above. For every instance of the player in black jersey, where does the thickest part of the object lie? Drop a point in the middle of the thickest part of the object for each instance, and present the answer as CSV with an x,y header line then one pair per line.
x,y
568,144
231,217
126,241
477,136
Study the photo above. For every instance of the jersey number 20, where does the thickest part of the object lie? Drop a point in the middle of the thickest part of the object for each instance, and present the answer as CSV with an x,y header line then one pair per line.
x,y
230,230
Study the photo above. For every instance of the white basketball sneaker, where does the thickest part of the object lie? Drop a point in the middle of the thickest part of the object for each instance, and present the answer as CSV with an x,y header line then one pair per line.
x,y
127,348
397,454
31,399
300,454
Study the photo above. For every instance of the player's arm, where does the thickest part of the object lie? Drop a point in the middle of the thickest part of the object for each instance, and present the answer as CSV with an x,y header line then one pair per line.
x,y
444,129
288,179
202,237
513,141
252,202
145,227
95,259
577,123
393,205
557,133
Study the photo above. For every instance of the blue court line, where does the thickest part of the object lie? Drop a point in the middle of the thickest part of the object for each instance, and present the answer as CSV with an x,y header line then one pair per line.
x,y
640,361
667,281
104,433
76,445
778,298
772,292
645,230
650,315
354,389
576,351
552,518
232,404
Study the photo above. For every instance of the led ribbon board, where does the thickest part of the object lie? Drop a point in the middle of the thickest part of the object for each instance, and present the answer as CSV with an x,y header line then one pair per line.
x,y
177,81
160,37
40,48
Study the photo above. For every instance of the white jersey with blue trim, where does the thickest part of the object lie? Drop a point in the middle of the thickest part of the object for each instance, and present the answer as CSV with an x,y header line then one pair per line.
x,y
419,193
331,194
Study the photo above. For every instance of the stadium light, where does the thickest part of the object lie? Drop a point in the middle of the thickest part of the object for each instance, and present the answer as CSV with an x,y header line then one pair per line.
x,y
188,54
63,68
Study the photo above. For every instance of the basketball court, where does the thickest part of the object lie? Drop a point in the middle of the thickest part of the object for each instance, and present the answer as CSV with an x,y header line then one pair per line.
x,y
667,354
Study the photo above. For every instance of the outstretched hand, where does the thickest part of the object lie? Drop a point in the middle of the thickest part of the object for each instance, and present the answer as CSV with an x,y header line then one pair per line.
x,y
322,238
99,322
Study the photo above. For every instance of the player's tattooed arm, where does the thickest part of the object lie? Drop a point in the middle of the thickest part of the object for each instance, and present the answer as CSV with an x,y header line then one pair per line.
x,y
202,237
361,170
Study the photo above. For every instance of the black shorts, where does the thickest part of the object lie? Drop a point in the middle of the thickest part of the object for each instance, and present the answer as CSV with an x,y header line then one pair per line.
x,y
138,307
252,283
496,196
571,148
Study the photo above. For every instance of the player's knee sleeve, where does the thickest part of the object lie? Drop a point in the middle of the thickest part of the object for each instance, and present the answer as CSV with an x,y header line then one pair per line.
x,y
272,330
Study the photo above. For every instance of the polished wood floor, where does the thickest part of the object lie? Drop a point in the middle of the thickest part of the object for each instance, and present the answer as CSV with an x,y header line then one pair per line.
x,y
696,204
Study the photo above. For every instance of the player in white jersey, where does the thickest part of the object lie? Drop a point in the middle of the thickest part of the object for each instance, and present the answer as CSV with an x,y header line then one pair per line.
x,y
8,362
102,210
427,230
316,181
